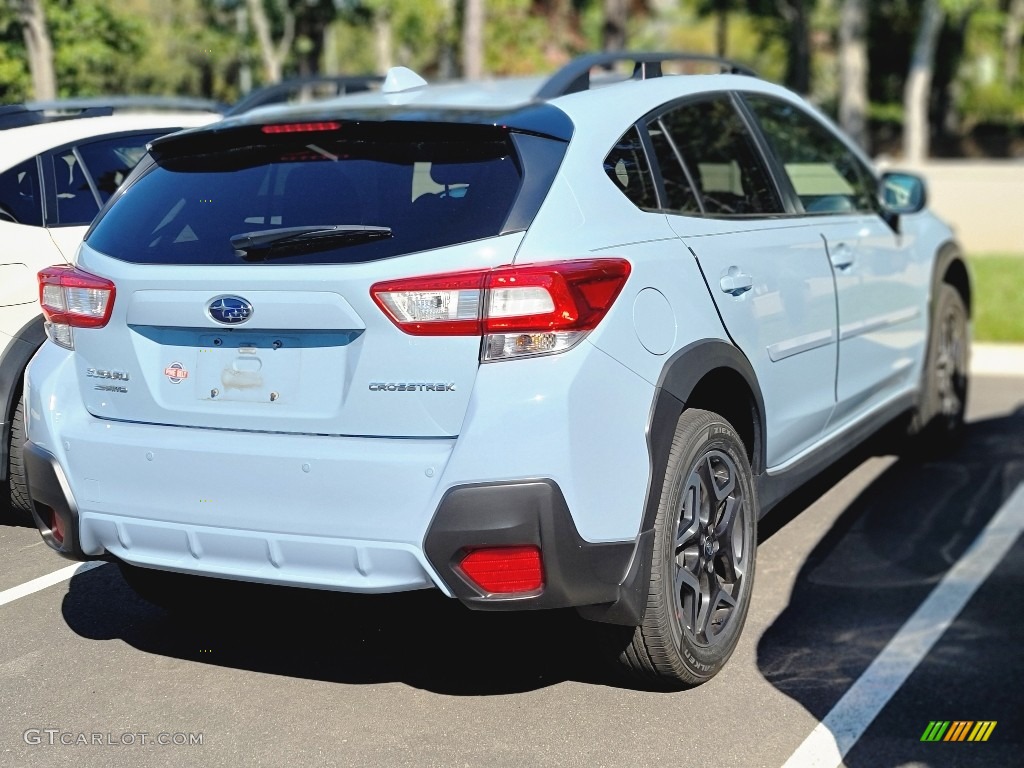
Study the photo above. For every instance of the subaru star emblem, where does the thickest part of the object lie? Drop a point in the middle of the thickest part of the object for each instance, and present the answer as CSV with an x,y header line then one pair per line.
x,y
230,310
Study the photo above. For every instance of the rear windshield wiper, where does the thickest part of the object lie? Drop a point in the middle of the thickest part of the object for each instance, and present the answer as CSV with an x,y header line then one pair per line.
x,y
267,243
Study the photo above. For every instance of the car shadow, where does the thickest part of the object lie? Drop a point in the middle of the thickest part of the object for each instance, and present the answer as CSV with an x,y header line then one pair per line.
x,y
887,551
422,638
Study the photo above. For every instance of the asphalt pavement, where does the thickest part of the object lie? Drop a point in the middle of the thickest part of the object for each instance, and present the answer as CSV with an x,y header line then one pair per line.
x,y
282,678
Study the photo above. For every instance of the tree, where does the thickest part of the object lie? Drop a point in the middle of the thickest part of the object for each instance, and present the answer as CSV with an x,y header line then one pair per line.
x,y
38,47
917,90
273,54
1011,42
853,70
798,62
613,31
473,39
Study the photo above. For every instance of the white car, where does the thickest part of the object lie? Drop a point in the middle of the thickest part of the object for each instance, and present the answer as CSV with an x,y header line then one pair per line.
x,y
59,165
534,344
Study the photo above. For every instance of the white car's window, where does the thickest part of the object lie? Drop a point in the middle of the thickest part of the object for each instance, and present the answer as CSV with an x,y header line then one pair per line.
x,y
19,195
710,162
76,204
825,174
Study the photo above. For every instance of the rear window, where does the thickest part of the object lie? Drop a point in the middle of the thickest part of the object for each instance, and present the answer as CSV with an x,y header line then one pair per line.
x,y
429,193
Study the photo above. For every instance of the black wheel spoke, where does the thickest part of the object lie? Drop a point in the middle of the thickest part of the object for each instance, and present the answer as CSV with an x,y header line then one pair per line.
x,y
688,590
689,516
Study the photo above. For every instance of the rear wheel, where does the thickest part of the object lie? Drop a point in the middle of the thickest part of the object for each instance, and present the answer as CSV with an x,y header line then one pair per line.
x,y
702,568
20,506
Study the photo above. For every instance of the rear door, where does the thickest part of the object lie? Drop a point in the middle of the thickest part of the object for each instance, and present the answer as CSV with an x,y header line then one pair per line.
x,y
768,273
234,310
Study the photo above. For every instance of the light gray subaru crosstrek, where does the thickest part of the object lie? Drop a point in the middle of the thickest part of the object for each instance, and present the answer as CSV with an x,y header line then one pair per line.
x,y
536,344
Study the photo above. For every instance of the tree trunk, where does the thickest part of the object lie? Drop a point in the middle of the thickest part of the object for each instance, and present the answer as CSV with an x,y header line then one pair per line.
x,y
383,40
273,55
473,39
613,33
798,65
1011,42
917,90
722,28
38,47
853,71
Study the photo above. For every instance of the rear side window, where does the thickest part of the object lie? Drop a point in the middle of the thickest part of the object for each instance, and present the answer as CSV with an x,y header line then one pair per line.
x,y
706,145
424,193
19,195
627,167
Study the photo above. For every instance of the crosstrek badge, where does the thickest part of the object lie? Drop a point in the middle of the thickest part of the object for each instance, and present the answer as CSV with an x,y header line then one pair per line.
x,y
175,372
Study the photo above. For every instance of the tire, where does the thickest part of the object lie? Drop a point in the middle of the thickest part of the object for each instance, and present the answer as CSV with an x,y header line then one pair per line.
x,y
702,561
938,423
20,506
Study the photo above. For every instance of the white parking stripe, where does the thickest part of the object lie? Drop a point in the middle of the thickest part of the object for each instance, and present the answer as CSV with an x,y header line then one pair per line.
x,y
22,590
850,717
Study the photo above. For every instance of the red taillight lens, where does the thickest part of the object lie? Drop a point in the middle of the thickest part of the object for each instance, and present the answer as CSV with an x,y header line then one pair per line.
x,y
72,297
531,309
505,570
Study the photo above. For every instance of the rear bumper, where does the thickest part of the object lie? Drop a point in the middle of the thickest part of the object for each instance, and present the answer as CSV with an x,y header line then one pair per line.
x,y
354,513
605,578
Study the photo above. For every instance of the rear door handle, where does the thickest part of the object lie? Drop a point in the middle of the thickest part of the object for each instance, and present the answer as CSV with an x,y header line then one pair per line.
x,y
842,256
736,282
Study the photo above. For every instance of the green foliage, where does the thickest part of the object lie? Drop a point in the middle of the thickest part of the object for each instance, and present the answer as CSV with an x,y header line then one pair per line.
x,y
94,45
998,286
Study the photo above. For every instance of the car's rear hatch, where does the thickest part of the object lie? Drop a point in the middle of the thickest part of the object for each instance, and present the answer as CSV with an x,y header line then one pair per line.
x,y
228,317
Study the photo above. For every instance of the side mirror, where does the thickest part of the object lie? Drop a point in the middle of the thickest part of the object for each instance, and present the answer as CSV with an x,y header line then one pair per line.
x,y
901,193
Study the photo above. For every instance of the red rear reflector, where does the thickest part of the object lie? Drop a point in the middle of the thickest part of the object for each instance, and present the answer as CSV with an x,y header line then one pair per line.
x,y
57,527
301,127
504,570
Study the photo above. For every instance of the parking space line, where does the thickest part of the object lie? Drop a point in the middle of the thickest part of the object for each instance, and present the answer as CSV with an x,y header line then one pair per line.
x,y
29,587
834,736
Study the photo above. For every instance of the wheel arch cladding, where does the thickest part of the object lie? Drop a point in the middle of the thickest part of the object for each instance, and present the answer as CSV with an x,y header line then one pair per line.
x,y
13,361
952,269
713,375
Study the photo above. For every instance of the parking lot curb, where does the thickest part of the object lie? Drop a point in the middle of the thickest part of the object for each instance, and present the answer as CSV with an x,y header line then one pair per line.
x,y
991,359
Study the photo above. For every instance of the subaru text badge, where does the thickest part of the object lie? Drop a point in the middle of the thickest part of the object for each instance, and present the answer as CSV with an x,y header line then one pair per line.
x,y
230,310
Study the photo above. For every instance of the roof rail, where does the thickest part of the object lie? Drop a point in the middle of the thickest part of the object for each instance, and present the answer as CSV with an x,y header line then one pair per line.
x,y
575,76
36,112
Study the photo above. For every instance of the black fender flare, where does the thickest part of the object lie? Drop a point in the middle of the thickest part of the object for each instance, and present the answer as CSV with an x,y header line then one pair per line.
x,y
12,370
680,376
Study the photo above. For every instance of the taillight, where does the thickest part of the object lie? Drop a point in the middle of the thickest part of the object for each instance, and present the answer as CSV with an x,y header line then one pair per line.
x,y
71,298
533,309
505,570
